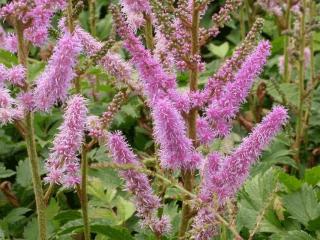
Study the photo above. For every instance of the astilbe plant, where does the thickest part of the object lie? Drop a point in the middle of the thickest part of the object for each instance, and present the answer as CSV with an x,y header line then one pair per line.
x,y
182,121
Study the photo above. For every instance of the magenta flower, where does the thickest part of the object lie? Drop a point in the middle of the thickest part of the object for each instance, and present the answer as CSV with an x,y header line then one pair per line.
x,y
9,110
138,184
176,149
54,82
223,108
155,80
223,177
90,45
63,164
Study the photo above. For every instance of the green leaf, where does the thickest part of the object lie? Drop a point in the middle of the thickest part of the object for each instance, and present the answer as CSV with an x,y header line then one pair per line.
x,y
16,215
312,176
290,91
298,235
24,178
5,173
30,231
253,198
291,182
303,205
220,51
314,225
68,215
125,209
8,58
118,233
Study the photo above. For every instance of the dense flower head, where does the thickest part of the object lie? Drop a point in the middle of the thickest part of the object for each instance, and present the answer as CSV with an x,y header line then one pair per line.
x,y
15,75
235,168
222,177
137,6
221,111
63,164
138,184
176,149
9,109
116,66
37,16
54,82
91,46
205,225
155,80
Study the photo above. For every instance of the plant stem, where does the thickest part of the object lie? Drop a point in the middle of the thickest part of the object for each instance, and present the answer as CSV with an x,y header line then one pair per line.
x,y
92,16
286,44
70,17
148,32
299,125
188,176
83,195
30,142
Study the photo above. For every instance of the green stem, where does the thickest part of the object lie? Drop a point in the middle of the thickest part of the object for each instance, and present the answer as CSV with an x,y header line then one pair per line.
x,y
188,176
70,16
92,16
148,32
299,126
31,144
242,23
286,45
36,179
83,194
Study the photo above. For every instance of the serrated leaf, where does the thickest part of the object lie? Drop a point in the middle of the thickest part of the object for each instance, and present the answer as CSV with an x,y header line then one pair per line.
x,y
312,176
24,178
253,198
30,231
298,235
5,173
303,205
291,182
16,215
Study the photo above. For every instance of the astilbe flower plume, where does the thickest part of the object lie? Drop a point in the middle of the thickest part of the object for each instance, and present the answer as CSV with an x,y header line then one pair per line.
x,y
15,75
63,163
176,149
155,80
138,184
220,112
54,82
223,177
37,17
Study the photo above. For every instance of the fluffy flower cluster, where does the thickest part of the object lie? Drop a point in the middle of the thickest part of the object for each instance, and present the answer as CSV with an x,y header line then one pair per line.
x,y
9,107
54,82
176,149
138,184
223,176
15,75
63,164
8,41
36,17
223,108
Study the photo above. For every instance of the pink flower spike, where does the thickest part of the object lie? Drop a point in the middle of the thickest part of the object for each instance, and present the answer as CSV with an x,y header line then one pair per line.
x,y
176,149
54,82
63,164
138,184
